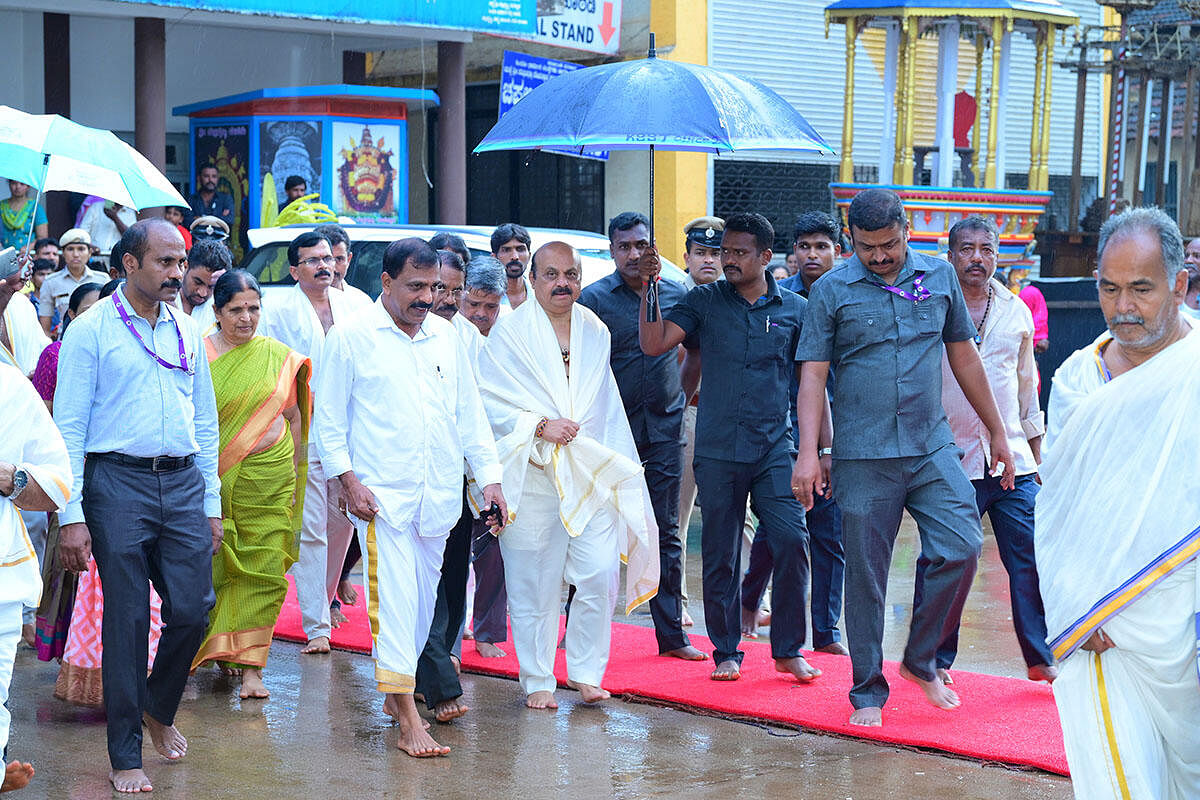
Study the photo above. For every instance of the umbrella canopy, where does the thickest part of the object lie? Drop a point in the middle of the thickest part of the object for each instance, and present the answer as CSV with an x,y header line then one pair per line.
x,y
50,152
667,105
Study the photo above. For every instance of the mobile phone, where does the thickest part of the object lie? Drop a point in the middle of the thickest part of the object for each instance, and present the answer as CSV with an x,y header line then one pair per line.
x,y
493,517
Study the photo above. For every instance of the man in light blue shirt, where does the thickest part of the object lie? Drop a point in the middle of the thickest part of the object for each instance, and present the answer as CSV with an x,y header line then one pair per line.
x,y
135,397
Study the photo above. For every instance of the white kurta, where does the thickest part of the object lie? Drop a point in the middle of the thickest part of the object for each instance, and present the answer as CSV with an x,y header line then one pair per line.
x,y
29,439
402,413
356,296
574,508
26,334
1117,536
325,534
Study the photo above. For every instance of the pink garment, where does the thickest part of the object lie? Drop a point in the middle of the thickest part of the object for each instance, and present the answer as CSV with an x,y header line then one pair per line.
x,y
45,375
1036,301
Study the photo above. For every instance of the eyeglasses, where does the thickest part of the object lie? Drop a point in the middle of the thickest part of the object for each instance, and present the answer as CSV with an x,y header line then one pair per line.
x,y
318,261
455,293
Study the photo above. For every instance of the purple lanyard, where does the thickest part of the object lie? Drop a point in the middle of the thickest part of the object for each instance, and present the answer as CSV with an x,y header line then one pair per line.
x,y
183,362
921,292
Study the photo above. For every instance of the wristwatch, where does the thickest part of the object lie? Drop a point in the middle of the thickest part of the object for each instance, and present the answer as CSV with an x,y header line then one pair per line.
x,y
824,451
20,481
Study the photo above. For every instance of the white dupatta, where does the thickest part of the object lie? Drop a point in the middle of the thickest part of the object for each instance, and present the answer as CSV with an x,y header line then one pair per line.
x,y
1119,509
522,380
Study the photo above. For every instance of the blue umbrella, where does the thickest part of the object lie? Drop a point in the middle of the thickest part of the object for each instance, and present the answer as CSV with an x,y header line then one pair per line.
x,y
652,104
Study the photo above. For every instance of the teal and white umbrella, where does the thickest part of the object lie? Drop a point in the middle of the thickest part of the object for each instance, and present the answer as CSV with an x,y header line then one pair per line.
x,y
51,153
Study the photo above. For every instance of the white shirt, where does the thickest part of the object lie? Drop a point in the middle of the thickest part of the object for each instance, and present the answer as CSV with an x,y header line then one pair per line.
x,y
402,413
103,230
505,305
472,340
24,333
355,295
1007,353
290,317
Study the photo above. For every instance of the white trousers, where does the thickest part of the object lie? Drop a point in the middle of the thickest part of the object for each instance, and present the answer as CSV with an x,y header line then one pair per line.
x,y
402,570
1131,716
324,537
36,525
539,557
10,634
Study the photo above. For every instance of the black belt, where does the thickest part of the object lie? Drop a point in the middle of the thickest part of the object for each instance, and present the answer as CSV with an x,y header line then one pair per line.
x,y
154,464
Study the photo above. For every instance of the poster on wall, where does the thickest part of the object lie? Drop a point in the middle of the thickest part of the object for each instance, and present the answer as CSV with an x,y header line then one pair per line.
x,y
365,184
226,146
290,147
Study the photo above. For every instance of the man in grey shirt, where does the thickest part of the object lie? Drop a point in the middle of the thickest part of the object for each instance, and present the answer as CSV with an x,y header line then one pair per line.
x,y
880,320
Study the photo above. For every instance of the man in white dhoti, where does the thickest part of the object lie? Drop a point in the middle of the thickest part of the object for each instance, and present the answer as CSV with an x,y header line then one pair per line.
x,y
399,412
301,318
22,339
579,498
1118,527
35,474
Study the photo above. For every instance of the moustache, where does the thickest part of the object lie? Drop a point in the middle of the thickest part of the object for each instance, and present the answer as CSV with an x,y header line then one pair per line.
x,y
516,262
173,283
1128,319
418,306
560,290
322,273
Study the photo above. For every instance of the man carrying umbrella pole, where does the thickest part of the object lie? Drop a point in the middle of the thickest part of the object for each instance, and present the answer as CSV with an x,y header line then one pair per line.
x,y
746,328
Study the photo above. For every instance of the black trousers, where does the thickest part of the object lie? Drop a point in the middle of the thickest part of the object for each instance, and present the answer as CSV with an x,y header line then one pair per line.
x,y
147,527
436,677
491,598
723,487
663,462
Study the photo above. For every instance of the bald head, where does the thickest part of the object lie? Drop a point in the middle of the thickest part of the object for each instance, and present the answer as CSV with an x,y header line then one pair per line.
x,y
557,275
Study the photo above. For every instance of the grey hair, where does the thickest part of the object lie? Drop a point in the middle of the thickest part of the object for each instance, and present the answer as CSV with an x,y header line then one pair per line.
x,y
1146,220
975,222
486,274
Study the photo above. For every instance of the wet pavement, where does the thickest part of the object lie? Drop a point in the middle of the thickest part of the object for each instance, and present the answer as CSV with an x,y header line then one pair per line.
x,y
322,734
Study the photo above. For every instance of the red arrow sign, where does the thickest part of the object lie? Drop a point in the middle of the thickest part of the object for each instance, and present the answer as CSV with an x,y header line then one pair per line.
x,y
606,24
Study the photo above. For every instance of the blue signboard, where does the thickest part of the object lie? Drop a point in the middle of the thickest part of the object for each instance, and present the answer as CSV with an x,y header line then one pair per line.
x,y
520,74
486,16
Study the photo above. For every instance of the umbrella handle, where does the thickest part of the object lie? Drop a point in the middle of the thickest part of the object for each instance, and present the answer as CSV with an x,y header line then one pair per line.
x,y
36,200
652,289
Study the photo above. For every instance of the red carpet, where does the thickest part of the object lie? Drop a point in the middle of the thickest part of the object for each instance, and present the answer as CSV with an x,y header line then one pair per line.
x,y
1001,719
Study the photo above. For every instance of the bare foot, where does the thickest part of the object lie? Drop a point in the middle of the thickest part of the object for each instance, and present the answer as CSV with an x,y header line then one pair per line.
x,y
869,717
228,671
130,781
414,732
936,692
798,667
541,700
391,707
749,623
687,653
589,693
764,619
16,776
686,619
28,636
253,686
318,645
727,671
837,648
347,593
168,741
944,676
488,650
450,709
1043,672
336,617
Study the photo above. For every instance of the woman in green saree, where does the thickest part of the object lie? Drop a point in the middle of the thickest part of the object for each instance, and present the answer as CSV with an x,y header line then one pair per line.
x,y
264,405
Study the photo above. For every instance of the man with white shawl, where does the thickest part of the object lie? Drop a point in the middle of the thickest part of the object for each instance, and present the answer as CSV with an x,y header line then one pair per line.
x,y
1118,527
578,501
35,474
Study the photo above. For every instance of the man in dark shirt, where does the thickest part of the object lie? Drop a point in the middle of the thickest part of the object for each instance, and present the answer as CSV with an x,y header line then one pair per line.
x,y
208,201
746,327
815,245
653,397
881,320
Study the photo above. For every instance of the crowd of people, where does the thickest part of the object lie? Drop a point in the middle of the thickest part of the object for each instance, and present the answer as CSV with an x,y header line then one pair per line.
x,y
490,414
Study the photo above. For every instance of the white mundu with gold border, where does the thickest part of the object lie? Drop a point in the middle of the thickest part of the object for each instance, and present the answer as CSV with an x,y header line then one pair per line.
x,y
402,413
29,440
576,509
25,334
1117,537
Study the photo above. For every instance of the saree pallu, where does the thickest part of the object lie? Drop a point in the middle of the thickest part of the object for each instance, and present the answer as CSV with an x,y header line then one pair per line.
x,y
261,497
